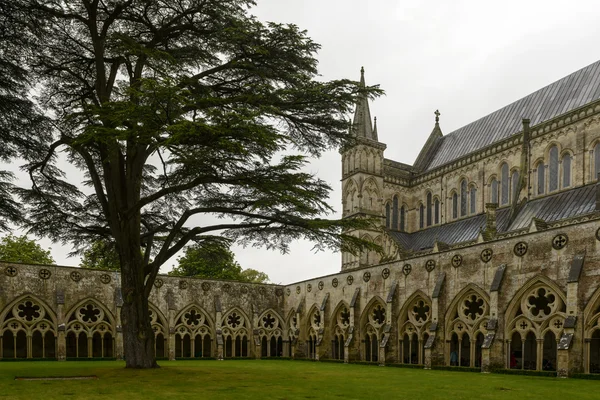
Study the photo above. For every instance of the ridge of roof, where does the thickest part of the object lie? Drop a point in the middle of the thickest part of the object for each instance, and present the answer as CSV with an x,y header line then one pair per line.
x,y
564,95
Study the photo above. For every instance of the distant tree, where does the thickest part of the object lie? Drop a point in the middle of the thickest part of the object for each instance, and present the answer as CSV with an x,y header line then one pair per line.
x,y
23,250
177,112
214,260
252,275
101,255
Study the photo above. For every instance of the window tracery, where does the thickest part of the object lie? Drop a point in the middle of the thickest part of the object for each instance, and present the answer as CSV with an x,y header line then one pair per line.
x,y
235,330
89,332
193,334
534,327
467,326
413,328
340,331
373,330
160,330
271,334
28,330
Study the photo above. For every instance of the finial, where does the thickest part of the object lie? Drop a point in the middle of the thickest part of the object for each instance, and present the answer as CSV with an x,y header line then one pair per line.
x,y
362,70
437,116
375,126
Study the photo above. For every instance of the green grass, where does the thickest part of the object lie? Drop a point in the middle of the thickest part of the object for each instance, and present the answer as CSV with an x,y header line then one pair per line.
x,y
270,379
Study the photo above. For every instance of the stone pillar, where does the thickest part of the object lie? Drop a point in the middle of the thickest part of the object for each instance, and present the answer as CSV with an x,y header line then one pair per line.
x,y
61,339
119,337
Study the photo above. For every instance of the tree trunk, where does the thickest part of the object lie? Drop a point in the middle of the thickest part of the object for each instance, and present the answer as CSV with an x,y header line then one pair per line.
x,y
138,337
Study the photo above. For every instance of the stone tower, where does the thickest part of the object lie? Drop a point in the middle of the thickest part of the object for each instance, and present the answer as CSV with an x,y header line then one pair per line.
x,y
362,179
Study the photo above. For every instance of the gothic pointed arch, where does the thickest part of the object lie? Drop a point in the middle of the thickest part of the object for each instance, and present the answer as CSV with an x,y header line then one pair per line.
x,y
28,329
340,323
372,323
350,198
90,330
466,325
160,327
413,322
591,327
534,322
315,322
293,329
370,194
270,332
235,328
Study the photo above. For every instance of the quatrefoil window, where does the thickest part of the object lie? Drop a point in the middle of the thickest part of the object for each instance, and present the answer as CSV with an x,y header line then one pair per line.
x,y
29,311
430,265
486,255
385,273
234,320
89,313
456,260
473,307
406,269
520,249
560,241
541,303
378,315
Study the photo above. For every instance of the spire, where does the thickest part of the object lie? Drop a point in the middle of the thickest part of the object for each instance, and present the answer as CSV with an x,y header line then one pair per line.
x,y
362,115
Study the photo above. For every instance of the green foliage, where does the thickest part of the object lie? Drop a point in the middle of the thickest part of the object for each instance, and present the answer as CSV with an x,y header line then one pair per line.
x,y
101,255
23,250
214,260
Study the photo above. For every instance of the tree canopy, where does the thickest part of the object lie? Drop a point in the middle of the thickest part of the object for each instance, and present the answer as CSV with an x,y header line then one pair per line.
x,y
190,120
215,260
21,249
100,255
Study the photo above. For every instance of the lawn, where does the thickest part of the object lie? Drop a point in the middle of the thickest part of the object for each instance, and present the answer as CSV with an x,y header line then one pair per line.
x,y
272,379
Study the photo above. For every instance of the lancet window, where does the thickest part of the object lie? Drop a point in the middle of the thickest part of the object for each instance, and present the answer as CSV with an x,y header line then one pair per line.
x,y
413,328
160,333
504,195
27,330
271,334
340,331
314,326
373,330
235,328
90,332
553,169
566,170
534,326
467,328
193,334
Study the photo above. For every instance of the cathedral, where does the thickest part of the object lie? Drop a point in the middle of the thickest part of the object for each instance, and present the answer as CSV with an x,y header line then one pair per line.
x,y
491,261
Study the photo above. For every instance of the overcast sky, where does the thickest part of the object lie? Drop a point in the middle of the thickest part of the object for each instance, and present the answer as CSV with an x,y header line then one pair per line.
x,y
465,58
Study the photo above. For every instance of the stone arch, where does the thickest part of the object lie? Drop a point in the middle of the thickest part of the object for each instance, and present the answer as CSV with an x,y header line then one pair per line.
x,y
413,322
372,321
315,323
339,324
90,330
591,332
270,332
236,329
351,200
28,329
466,322
194,333
534,323
160,327
370,194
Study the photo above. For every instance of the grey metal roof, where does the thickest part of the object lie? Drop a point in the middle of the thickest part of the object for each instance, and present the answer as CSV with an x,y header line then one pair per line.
x,y
568,204
578,201
564,95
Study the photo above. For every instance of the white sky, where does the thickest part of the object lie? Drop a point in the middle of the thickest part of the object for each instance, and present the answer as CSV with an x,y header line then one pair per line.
x,y
465,58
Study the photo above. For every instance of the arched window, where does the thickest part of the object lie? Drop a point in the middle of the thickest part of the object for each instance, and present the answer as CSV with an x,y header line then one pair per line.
x,y
494,191
541,183
402,219
596,161
395,213
553,169
421,216
463,197
473,200
454,205
566,170
436,211
388,216
429,209
515,183
504,184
